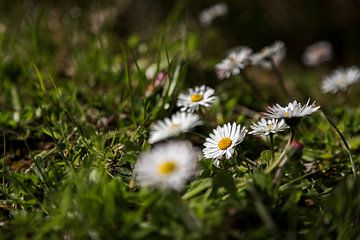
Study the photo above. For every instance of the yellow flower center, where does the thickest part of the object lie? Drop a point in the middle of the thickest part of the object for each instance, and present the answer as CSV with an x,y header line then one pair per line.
x,y
286,114
175,126
341,82
224,143
196,97
167,168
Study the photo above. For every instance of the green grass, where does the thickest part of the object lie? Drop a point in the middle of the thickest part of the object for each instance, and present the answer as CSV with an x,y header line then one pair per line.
x,y
74,118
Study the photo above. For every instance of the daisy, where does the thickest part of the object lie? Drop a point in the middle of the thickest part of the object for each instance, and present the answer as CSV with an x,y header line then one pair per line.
x,y
265,127
167,166
317,53
340,80
222,141
179,122
208,15
292,113
231,65
269,55
195,98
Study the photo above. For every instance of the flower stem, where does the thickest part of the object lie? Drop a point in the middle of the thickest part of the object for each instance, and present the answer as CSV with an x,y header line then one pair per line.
x,y
278,161
271,135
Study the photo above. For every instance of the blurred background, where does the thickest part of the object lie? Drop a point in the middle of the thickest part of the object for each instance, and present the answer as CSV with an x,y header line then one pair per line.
x,y
248,22
56,36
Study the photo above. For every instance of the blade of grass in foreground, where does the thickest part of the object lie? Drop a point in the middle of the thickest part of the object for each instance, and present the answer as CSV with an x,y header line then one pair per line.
x,y
347,148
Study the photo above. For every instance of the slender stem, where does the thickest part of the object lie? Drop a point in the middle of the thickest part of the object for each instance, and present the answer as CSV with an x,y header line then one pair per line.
x,y
271,135
279,76
343,140
284,161
236,160
278,161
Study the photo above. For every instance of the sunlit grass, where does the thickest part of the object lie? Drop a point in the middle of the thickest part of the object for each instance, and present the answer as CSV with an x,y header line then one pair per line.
x,y
76,109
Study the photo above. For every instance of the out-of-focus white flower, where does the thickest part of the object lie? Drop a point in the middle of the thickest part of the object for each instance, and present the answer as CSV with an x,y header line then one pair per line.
x,y
317,53
16,116
233,63
265,127
179,122
274,53
292,113
222,141
194,98
340,80
208,15
167,166
2,28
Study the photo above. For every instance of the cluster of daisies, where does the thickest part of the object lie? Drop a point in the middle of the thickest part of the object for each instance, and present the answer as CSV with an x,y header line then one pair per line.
x,y
271,56
239,58
170,164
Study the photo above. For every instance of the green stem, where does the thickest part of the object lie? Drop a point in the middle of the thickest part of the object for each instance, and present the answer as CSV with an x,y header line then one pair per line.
x,y
343,140
278,161
271,135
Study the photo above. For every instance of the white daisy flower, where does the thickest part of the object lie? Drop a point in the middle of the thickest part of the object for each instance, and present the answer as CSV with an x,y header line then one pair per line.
x,y
274,53
223,141
208,15
317,53
340,80
179,122
266,127
167,166
292,113
235,60
195,98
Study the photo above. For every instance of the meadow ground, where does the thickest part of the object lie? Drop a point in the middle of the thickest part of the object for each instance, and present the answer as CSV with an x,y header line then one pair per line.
x,y
83,86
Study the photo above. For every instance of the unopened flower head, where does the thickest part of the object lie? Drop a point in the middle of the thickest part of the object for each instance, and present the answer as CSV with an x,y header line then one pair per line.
x,y
222,141
179,122
233,63
340,80
208,15
269,55
317,53
152,71
194,98
167,166
265,127
292,113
